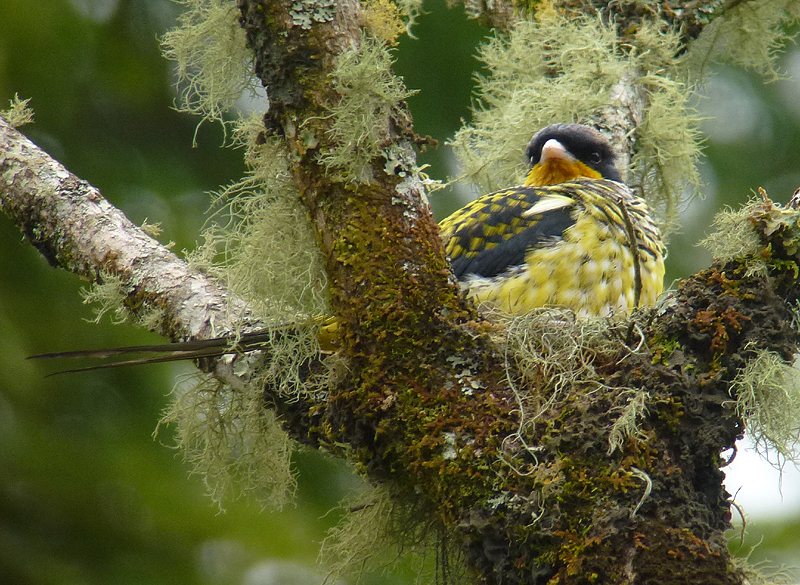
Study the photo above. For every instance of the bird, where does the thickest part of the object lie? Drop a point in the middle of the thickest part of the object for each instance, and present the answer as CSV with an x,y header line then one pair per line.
x,y
571,236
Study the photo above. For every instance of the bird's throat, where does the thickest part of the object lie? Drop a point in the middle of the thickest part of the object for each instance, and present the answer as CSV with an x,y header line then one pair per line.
x,y
557,170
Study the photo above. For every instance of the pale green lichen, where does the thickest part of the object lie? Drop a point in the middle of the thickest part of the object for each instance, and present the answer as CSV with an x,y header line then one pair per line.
x,y
668,148
259,244
763,573
411,9
559,70
115,296
735,237
259,241
235,443
107,295
748,34
305,13
555,353
540,73
552,347
151,229
629,417
378,534
18,114
214,65
767,395
369,95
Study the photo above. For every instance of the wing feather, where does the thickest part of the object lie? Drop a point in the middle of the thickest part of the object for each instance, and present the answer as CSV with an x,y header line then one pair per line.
x,y
492,234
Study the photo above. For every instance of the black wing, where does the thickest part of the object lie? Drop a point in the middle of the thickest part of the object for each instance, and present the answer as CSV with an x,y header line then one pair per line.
x,y
490,235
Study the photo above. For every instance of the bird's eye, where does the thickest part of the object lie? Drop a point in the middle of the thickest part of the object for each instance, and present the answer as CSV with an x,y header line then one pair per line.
x,y
595,158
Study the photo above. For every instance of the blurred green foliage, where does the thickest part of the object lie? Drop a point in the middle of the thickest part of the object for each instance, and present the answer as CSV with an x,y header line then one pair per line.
x,y
86,495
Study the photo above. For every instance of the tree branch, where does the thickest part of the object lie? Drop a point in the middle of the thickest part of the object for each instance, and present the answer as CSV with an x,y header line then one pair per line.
x,y
75,228
512,459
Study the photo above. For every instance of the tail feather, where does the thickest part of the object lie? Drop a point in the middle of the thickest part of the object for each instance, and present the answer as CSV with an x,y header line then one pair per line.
x,y
169,352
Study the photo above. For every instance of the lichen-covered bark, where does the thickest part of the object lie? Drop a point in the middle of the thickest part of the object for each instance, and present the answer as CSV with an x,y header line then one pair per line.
x,y
689,17
423,399
399,312
75,228
571,520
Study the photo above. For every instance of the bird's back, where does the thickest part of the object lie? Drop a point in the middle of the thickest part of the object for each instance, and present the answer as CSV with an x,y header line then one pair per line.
x,y
589,245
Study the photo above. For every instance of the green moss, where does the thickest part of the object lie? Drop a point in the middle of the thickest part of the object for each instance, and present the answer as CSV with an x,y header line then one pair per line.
x,y
421,440
663,349
671,412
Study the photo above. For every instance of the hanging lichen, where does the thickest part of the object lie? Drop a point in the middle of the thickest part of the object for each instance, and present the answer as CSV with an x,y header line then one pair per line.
x,y
559,70
214,65
370,95
234,443
259,244
259,241
378,534
767,394
747,34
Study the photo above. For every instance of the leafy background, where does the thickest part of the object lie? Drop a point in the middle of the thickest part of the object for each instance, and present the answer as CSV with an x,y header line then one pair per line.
x,y
86,494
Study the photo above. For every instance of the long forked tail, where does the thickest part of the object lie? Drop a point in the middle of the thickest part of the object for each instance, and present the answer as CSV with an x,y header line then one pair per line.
x,y
165,352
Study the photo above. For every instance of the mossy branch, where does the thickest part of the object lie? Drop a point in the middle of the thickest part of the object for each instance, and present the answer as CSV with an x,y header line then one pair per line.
x,y
430,407
542,451
484,478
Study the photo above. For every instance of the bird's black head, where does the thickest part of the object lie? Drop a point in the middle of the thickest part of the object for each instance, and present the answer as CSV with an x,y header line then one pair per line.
x,y
584,143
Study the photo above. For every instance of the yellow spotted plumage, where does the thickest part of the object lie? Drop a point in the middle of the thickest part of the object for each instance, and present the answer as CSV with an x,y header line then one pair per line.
x,y
585,243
